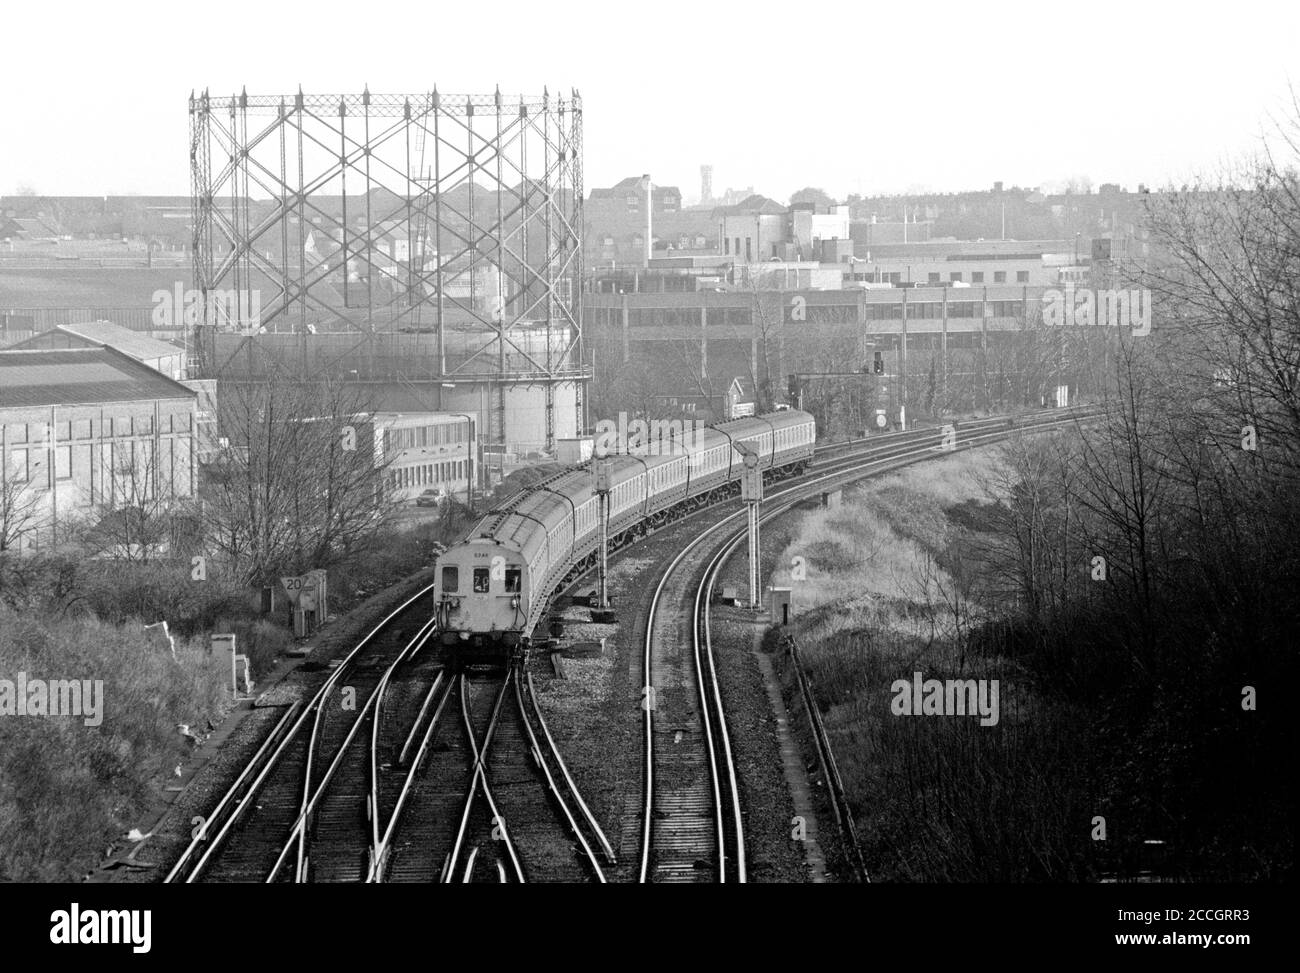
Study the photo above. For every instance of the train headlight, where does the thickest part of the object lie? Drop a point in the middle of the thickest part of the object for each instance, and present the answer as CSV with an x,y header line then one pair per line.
x,y
464,636
514,602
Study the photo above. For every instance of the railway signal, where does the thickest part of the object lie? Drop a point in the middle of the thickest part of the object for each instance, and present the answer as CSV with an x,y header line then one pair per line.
x,y
794,391
751,491
603,612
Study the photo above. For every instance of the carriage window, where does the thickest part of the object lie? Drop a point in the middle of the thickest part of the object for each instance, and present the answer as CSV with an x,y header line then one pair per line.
x,y
512,580
450,578
481,580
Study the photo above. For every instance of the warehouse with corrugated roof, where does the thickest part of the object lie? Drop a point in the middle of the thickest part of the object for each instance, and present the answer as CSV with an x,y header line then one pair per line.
x,y
161,355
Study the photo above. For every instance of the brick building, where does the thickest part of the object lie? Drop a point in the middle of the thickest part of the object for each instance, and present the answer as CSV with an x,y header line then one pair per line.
x,y
615,219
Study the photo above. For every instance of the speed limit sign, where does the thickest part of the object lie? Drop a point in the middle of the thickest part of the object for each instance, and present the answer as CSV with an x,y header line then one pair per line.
x,y
294,586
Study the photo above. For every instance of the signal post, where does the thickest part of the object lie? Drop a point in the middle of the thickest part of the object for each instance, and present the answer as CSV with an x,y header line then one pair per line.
x,y
603,611
751,491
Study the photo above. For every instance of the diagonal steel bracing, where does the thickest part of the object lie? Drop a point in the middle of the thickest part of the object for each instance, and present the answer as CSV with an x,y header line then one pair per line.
x,y
372,212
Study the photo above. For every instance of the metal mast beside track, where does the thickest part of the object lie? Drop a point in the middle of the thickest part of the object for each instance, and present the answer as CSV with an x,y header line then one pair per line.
x,y
751,491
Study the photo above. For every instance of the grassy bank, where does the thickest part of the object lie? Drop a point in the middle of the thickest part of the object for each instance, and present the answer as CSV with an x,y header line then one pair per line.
x,y
67,789
899,580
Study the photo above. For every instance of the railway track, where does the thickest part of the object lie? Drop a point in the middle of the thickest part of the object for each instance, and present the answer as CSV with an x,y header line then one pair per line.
x,y
692,829
397,770
243,837
692,820
489,799
428,775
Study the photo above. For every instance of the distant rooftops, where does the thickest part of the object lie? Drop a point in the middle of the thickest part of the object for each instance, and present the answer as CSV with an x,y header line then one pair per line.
x,y
79,376
632,185
139,346
751,205
26,228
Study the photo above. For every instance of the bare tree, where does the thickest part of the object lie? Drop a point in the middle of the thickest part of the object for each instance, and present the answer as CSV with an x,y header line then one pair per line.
x,y
1227,283
142,514
21,509
304,482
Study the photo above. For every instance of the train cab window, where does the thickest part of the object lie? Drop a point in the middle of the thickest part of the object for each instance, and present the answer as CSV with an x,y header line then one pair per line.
x,y
481,584
513,577
450,578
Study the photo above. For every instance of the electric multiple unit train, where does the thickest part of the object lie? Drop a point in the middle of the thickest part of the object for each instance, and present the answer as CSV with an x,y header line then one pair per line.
x,y
493,588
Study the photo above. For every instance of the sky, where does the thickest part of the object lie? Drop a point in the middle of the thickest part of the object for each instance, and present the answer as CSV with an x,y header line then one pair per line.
x,y
851,97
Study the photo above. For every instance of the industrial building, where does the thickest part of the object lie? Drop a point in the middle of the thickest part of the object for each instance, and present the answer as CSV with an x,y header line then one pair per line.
x,y
426,452
85,430
162,356
960,339
759,223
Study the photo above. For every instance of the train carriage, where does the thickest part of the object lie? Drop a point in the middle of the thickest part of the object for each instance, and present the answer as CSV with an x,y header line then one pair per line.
x,y
712,457
668,479
794,435
577,488
754,434
627,492
493,588
553,516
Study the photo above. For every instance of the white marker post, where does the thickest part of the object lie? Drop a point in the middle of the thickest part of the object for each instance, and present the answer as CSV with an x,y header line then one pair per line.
x,y
171,642
219,643
751,491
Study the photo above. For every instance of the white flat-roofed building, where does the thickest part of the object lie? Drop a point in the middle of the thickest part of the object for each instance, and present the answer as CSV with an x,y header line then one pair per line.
x,y
428,451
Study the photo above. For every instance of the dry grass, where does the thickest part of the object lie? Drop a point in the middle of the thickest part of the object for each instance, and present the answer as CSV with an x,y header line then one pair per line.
x,y
67,789
937,799
871,559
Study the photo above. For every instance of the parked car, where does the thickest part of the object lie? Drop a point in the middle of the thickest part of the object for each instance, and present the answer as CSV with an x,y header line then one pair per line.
x,y
430,498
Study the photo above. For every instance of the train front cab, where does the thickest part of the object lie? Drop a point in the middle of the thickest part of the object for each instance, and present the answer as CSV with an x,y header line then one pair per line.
x,y
481,600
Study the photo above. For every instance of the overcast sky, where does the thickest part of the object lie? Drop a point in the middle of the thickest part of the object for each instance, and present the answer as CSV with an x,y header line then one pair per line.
x,y
849,96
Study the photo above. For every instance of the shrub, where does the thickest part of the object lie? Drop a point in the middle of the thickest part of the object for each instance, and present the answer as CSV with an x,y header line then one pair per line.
x,y
1150,735
68,788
